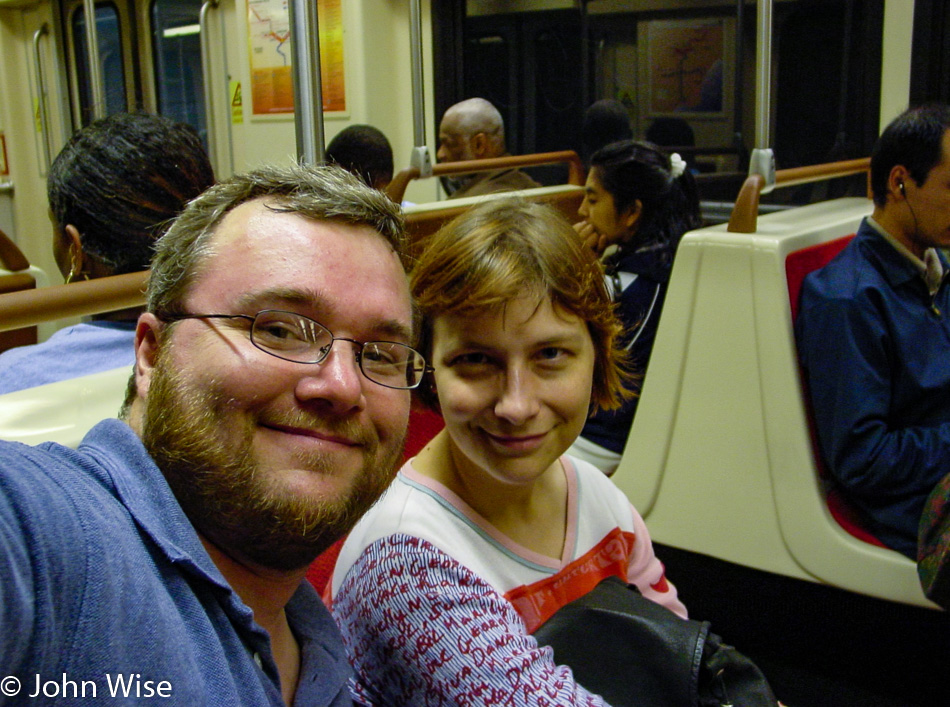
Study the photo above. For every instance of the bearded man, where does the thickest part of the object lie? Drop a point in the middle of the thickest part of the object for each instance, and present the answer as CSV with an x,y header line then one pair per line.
x,y
166,555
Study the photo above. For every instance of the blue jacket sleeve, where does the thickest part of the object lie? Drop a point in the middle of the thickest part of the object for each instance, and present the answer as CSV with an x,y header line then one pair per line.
x,y
847,359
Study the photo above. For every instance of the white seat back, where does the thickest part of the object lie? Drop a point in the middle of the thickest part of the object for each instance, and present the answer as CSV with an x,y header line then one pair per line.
x,y
719,460
62,412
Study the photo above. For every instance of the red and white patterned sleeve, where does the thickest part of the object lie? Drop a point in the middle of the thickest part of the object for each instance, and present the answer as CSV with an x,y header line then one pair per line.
x,y
647,572
421,628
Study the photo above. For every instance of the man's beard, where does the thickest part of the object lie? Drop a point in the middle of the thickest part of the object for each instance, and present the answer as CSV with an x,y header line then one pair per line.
x,y
209,465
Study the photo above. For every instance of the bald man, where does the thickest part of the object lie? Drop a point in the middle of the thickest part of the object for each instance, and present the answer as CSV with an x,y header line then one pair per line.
x,y
473,130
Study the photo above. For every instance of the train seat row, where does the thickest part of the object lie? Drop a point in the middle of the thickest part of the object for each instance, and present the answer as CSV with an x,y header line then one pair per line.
x,y
720,460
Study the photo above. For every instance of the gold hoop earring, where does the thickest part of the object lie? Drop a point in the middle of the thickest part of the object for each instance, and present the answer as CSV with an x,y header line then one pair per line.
x,y
73,274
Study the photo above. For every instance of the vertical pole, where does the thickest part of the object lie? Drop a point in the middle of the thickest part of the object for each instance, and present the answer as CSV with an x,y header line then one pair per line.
x,y
420,158
762,160
92,56
308,92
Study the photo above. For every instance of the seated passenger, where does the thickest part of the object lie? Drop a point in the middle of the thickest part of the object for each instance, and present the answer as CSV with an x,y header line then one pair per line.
x,y
364,151
112,189
491,529
474,130
605,121
641,201
873,335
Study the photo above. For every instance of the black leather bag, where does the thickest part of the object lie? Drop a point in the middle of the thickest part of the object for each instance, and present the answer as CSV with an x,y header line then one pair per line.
x,y
632,651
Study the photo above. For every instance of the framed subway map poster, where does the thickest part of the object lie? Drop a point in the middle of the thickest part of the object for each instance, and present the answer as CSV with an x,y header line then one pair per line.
x,y
685,63
269,41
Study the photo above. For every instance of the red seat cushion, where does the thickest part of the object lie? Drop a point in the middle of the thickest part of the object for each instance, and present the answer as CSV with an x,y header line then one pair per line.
x,y
804,261
797,266
423,426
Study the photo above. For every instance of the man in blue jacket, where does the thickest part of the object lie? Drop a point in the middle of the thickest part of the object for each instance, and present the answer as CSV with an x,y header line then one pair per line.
x,y
874,335
165,557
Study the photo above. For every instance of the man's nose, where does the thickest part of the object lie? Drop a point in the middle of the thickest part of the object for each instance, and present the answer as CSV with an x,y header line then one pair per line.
x,y
337,379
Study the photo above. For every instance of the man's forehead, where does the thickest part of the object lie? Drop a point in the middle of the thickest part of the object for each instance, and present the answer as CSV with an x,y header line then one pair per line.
x,y
266,220
262,259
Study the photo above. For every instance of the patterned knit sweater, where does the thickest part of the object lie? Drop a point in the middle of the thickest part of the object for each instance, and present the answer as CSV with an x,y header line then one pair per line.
x,y
436,606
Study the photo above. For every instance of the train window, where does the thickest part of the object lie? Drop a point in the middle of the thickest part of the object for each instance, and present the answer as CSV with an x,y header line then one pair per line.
x,y
176,46
110,59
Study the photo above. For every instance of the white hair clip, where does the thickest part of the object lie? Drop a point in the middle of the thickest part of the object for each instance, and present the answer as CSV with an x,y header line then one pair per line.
x,y
677,165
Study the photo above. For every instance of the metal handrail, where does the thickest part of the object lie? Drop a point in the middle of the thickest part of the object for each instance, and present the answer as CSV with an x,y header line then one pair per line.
x,y
397,187
41,89
11,257
744,218
206,7
47,304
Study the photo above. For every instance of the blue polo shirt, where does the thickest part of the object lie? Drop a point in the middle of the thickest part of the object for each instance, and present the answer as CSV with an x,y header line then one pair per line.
x,y
874,346
107,595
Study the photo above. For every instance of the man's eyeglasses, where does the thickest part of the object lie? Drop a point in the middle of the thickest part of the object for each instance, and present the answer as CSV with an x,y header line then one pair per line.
x,y
294,337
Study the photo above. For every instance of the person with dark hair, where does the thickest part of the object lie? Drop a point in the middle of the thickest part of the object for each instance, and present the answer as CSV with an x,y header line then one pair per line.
x,y
670,131
112,190
166,556
473,129
605,121
873,334
364,151
638,202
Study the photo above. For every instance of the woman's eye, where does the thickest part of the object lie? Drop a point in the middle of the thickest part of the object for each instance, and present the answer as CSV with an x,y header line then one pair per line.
x,y
469,359
553,354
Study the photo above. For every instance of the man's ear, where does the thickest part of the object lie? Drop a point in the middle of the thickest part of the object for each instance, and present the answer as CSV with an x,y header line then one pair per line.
x,y
897,181
479,145
146,351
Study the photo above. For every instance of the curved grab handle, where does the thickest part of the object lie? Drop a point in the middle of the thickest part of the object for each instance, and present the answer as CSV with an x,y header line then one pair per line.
x,y
397,187
11,257
104,294
206,7
41,89
745,213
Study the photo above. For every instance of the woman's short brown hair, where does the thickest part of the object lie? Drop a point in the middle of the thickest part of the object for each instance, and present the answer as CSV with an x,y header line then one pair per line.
x,y
509,248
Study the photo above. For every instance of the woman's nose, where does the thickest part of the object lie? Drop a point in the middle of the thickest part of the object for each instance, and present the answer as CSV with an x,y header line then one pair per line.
x,y
518,400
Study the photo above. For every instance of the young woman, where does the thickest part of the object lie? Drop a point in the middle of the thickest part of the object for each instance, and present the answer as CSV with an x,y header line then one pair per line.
x,y
491,529
639,201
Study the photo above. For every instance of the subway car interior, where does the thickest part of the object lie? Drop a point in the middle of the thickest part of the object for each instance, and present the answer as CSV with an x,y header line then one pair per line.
x,y
782,102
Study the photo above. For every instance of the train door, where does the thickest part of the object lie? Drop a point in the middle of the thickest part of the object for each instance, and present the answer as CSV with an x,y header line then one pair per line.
x,y
149,58
35,121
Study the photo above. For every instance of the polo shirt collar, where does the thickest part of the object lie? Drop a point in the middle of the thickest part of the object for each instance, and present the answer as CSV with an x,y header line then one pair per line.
x,y
124,464
143,490
931,270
